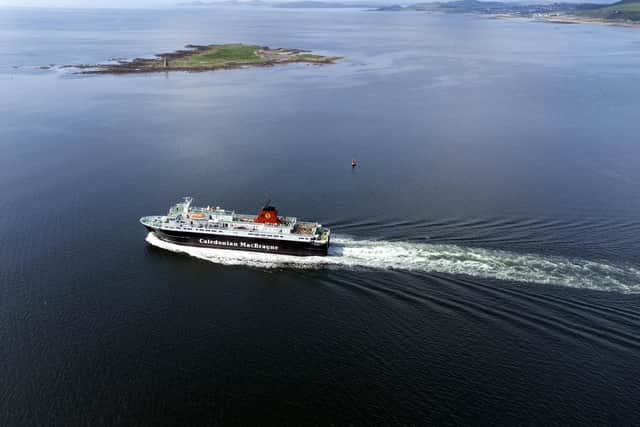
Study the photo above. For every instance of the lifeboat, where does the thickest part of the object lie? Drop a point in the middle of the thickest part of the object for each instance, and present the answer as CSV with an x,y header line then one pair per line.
x,y
198,216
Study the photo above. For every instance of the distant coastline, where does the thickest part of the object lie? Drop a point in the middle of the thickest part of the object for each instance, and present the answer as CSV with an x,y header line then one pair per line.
x,y
299,4
569,19
622,13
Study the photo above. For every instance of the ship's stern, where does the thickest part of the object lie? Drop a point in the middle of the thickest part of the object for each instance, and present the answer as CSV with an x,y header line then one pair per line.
x,y
322,242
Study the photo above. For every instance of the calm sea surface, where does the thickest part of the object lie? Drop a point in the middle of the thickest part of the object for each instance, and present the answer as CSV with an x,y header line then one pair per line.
x,y
486,258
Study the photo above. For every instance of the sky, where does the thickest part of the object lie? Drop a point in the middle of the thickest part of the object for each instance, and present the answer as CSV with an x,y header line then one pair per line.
x,y
168,3
89,3
149,3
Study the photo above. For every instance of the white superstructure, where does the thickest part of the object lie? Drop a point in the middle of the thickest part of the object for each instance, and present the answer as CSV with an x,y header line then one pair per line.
x,y
215,221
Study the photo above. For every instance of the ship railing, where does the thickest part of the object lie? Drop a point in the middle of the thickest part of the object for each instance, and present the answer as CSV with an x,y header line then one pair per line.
x,y
252,232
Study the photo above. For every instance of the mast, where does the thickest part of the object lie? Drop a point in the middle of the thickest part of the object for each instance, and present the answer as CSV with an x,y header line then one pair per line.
x,y
266,205
186,205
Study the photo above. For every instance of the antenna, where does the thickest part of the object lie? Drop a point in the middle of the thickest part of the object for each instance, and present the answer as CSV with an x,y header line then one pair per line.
x,y
267,203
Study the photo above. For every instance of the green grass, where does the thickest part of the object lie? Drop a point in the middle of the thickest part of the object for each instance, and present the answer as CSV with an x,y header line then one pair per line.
x,y
624,10
220,55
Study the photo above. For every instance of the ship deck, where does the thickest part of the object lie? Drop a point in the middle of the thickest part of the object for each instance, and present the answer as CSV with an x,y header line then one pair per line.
x,y
212,220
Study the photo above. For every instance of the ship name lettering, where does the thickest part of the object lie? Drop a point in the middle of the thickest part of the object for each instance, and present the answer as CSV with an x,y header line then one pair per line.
x,y
258,246
241,244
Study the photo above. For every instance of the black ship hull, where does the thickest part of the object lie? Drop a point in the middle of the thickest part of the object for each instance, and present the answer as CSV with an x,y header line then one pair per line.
x,y
252,244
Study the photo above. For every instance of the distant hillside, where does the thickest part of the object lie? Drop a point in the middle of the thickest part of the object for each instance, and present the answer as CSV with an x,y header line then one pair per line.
x,y
461,6
297,4
312,4
224,3
626,10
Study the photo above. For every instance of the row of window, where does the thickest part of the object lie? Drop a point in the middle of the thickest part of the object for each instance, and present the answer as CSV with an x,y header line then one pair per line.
x,y
218,231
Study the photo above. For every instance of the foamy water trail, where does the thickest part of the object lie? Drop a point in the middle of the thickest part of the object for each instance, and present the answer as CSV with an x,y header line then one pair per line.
x,y
434,258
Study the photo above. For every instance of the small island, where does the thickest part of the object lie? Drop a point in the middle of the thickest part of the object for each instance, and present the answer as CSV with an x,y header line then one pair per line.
x,y
210,57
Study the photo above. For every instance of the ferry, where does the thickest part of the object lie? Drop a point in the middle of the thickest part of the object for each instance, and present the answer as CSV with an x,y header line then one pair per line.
x,y
214,227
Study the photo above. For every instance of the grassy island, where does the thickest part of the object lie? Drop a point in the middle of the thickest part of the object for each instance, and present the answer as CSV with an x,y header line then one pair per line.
x,y
210,57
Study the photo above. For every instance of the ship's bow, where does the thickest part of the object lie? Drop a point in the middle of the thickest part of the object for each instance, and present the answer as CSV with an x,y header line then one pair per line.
x,y
151,223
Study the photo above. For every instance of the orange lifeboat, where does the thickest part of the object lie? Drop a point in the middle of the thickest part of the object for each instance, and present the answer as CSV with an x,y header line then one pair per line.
x,y
198,216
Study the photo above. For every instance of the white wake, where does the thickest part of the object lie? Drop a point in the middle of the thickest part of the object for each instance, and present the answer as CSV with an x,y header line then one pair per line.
x,y
434,258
